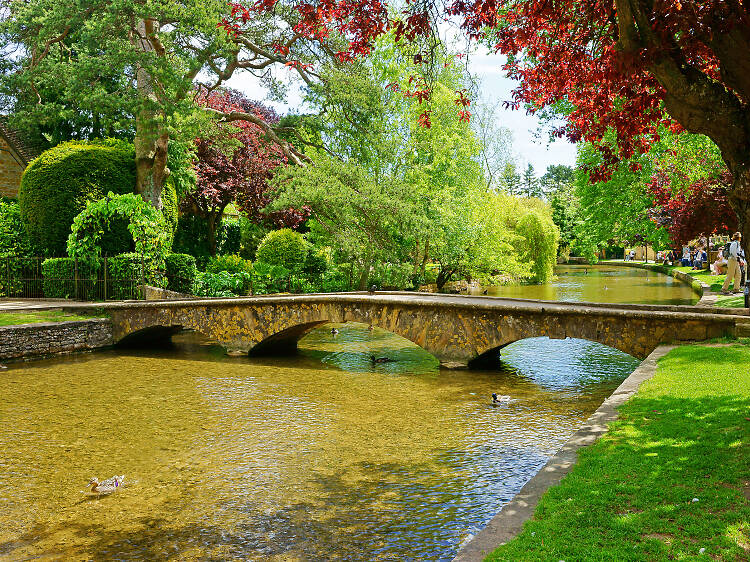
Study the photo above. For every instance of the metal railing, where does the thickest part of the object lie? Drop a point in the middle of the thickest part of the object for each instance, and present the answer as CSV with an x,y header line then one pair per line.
x,y
23,277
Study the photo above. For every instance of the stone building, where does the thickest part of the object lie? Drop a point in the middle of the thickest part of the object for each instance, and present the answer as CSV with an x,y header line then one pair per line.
x,y
15,155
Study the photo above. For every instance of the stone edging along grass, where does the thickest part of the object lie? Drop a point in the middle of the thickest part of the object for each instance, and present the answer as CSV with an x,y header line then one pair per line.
x,y
509,521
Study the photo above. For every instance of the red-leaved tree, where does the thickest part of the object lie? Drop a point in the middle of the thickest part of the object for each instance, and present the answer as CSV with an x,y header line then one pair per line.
x,y
702,209
622,65
237,168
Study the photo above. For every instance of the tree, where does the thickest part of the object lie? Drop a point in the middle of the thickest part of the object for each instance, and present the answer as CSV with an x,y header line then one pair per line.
x,y
557,177
530,184
495,143
134,66
510,180
604,66
235,166
701,210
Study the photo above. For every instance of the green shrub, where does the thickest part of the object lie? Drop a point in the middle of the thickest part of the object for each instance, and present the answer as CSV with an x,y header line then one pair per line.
x,y
229,237
145,224
251,235
13,239
392,276
128,271
229,263
191,237
317,262
223,284
181,272
59,184
285,248
269,278
61,281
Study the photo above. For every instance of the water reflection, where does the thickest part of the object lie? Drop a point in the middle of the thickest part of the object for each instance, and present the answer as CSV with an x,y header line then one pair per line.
x,y
586,283
322,456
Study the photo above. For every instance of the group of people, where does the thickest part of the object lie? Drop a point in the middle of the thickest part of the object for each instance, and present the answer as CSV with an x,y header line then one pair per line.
x,y
730,258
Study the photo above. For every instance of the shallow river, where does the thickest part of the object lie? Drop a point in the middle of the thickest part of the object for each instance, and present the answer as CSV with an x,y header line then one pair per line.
x,y
579,283
316,457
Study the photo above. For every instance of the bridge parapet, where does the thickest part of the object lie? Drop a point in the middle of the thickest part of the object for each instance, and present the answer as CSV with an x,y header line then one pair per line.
x,y
455,329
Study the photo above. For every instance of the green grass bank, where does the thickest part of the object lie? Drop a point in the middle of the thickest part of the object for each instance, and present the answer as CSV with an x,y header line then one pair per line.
x,y
35,317
670,478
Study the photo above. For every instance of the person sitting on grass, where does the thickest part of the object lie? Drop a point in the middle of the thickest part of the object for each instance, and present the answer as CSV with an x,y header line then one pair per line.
x,y
720,265
700,259
686,256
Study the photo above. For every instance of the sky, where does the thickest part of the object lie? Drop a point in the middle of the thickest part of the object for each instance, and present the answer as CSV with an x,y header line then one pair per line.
x,y
494,87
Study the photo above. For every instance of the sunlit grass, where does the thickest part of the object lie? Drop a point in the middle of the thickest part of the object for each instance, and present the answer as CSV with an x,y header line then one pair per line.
x,y
632,496
731,302
15,318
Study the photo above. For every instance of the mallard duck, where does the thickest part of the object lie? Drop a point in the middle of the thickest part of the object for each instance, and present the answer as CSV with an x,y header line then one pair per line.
x,y
334,331
504,399
370,328
107,486
374,359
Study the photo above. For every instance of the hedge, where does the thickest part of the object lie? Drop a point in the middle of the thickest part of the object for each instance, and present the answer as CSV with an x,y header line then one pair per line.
x,y
57,185
128,271
59,278
284,248
181,273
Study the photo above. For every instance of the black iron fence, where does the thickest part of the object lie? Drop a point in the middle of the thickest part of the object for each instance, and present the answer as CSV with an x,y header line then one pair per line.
x,y
70,278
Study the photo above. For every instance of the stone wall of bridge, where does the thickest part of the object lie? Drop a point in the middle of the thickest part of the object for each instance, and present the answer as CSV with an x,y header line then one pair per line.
x,y
455,330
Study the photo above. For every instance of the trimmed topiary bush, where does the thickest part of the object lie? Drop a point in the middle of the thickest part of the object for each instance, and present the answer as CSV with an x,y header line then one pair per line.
x,y
181,272
285,248
230,263
59,184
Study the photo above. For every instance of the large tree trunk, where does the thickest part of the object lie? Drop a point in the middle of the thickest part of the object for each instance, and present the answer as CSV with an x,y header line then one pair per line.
x,y
739,199
151,140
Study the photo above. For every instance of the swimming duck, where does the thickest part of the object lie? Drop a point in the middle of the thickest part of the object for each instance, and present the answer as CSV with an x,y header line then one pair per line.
x,y
334,331
370,328
374,359
484,292
504,399
107,486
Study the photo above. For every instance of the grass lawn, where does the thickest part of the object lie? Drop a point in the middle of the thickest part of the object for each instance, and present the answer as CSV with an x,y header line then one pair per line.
x,y
731,301
14,318
685,435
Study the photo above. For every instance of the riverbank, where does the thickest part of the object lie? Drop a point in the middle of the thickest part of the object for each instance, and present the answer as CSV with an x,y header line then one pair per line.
x,y
706,285
669,478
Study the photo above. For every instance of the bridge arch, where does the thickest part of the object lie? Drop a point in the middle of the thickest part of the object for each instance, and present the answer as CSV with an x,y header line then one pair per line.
x,y
456,330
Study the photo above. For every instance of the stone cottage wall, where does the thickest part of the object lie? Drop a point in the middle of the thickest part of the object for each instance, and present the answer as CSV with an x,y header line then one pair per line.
x,y
11,169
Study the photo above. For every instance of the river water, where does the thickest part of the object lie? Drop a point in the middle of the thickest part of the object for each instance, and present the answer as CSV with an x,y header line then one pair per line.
x,y
322,456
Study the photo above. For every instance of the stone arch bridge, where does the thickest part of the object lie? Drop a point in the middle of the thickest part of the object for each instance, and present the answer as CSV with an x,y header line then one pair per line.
x,y
458,330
